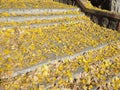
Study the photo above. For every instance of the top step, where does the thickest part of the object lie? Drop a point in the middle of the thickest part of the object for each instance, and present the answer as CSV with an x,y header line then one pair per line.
x,y
33,4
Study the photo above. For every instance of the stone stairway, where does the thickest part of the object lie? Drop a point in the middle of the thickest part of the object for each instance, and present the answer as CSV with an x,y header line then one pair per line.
x,y
29,15
49,48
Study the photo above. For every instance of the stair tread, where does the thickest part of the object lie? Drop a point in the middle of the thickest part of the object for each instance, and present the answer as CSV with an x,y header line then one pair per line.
x,y
38,12
42,25
21,19
32,22
33,4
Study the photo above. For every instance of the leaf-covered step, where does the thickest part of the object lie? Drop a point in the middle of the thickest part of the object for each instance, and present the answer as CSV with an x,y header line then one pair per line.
x,y
33,4
38,23
22,19
25,47
105,76
60,74
39,11
42,25
93,74
17,73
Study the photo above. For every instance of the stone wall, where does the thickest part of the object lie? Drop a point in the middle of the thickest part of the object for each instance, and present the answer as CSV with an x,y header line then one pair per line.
x,y
106,21
115,5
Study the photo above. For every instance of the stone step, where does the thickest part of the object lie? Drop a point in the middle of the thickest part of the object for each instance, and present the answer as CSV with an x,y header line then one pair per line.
x,y
36,11
110,59
99,47
42,25
108,82
57,59
81,70
32,4
50,32
4,14
22,19
41,22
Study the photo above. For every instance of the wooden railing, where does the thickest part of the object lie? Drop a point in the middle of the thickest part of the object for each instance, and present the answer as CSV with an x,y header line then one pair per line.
x,y
104,18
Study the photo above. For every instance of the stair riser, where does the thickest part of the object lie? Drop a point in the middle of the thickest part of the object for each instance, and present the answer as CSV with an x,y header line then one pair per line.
x,y
22,19
36,11
43,25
